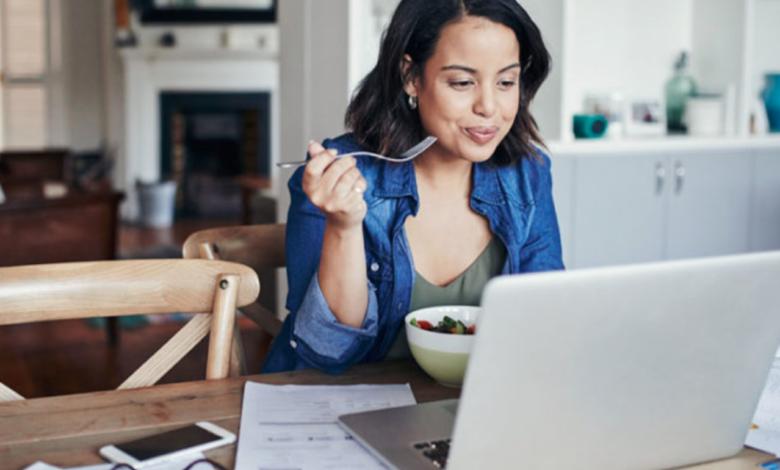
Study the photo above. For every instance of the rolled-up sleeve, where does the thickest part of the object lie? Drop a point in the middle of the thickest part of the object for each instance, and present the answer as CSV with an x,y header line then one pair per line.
x,y
317,338
327,342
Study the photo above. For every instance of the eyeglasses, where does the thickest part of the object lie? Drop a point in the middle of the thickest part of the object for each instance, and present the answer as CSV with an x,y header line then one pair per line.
x,y
202,464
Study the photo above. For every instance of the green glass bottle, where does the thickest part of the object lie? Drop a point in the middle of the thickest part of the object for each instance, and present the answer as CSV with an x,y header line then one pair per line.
x,y
678,89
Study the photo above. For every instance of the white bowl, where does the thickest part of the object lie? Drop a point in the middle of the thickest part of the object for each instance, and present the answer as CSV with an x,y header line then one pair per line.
x,y
443,356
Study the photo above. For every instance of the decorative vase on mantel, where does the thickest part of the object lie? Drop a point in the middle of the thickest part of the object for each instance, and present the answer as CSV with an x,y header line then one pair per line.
x,y
771,97
124,31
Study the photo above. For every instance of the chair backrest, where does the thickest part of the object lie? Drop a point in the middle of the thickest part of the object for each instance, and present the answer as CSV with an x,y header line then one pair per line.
x,y
260,247
118,288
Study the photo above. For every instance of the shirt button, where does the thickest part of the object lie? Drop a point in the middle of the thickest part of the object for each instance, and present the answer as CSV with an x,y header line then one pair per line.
x,y
374,267
294,344
400,307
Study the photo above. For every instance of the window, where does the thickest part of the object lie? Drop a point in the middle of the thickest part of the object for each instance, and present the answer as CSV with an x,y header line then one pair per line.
x,y
25,65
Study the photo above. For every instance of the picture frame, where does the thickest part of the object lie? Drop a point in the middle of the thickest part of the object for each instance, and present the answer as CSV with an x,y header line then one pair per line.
x,y
193,13
611,105
645,117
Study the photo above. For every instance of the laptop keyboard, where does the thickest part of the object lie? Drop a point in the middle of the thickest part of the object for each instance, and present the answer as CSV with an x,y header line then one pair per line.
x,y
435,451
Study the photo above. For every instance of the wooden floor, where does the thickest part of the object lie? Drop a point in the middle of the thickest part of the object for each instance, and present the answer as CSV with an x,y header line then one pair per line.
x,y
133,237
57,358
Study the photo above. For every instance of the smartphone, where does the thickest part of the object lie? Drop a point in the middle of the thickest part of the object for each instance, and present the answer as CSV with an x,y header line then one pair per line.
x,y
169,445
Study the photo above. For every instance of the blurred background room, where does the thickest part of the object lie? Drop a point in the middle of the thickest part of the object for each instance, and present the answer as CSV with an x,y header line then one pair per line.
x,y
127,125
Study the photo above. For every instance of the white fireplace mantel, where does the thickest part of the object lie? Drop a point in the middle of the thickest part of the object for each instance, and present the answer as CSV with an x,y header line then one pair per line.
x,y
150,71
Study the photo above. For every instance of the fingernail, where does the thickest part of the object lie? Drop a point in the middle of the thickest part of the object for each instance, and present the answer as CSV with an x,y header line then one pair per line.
x,y
333,152
315,146
359,190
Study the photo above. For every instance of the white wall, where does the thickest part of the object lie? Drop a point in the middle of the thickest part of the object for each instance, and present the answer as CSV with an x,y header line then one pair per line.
x,y
314,70
621,45
364,41
113,92
720,60
766,37
367,22
82,66
546,107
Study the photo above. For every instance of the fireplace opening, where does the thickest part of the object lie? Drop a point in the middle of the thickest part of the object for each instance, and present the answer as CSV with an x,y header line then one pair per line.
x,y
211,141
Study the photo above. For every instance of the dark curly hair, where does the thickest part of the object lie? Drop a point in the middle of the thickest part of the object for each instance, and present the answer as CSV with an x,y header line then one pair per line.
x,y
378,114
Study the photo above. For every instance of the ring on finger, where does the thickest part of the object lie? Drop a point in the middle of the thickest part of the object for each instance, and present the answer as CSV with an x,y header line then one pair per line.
x,y
360,185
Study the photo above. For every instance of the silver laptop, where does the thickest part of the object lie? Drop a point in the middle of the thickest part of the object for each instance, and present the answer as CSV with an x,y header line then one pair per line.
x,y
636,367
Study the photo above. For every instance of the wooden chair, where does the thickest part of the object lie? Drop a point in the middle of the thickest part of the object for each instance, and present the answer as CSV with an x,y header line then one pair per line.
x,y
260,247
118,288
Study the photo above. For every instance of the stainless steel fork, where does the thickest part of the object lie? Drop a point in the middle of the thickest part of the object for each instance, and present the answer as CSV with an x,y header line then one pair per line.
x,y
410,154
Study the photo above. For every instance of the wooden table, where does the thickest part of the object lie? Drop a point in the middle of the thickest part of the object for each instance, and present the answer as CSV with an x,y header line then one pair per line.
x,y
69,430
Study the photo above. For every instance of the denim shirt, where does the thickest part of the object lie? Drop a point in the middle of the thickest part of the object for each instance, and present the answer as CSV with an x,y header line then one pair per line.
x,y
516,200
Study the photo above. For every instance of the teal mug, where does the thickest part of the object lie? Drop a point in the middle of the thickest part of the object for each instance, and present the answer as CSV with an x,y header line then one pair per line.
x,y
589,126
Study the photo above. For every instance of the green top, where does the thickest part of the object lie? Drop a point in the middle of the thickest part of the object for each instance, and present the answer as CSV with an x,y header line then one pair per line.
x,y
466,289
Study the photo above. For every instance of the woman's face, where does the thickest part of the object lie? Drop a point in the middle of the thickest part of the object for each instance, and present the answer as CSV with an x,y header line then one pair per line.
x,y
469,96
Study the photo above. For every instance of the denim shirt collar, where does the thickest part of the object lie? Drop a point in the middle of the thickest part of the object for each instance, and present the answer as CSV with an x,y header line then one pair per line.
x,y
397,180
487,185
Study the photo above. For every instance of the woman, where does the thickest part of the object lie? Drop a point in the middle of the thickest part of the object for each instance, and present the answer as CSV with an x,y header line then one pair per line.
x,y
367,240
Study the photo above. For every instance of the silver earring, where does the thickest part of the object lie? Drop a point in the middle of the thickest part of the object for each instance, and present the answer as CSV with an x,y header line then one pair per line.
x,y
412,101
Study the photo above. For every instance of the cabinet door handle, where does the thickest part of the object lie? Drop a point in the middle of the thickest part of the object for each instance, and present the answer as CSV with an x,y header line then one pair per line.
x,y
660,178
679,177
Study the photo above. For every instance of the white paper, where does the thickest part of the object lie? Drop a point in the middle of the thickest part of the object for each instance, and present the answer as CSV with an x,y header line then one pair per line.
x,y
41,466
288,404
767,417
177,464
294,427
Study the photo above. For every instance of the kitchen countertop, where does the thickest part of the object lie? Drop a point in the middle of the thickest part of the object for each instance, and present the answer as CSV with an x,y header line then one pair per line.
x,y
660,144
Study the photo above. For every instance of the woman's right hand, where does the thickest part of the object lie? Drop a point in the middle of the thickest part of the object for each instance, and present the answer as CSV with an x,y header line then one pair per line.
x,y
335,186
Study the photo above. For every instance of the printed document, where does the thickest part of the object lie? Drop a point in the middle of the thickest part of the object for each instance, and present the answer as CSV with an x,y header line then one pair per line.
x,y
766,435
177,464
294,427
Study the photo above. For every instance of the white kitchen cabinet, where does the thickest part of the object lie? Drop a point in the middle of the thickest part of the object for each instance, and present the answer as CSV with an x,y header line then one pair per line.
x,y
645,207
765,228
709,203
618,210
